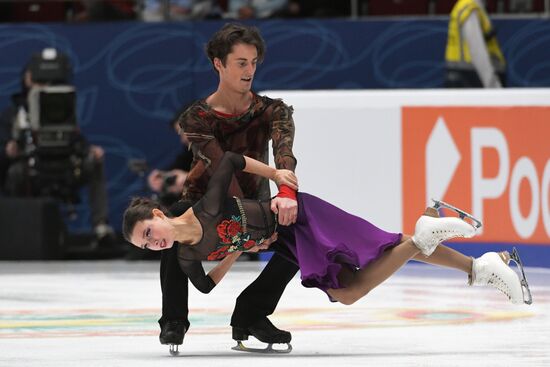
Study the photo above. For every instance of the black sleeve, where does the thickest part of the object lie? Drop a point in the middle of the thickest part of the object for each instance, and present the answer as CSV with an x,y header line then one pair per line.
x,y
195,273
216,192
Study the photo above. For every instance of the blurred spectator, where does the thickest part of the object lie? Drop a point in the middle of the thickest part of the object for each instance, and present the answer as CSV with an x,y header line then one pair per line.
x,y
292,9
521,6
166,10
106,10
313,8
32,156
473,55
248,9
168,182
36,11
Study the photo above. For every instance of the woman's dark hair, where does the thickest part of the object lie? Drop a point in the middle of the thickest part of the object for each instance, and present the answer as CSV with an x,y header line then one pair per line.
x,y
138,210
222,42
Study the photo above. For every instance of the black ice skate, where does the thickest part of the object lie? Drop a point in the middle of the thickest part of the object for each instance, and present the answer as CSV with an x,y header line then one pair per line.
x,y
527,298
172,333
265,332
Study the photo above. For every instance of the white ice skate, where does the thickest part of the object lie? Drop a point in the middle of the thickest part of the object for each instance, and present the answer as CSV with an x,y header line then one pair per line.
x,y
431,230
492,269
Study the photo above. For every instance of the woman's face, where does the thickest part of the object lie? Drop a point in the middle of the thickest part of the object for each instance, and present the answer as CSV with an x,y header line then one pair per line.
x,y
154,234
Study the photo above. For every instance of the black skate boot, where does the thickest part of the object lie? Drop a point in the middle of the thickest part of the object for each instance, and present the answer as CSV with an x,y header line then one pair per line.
x,y
172,333
264,331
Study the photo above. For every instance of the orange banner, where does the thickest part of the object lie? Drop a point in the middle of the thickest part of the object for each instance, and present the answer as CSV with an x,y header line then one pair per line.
x,y
493,162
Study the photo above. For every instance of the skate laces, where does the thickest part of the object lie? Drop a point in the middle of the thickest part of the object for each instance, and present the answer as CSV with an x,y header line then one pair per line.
x,y
446,230
497,282
492,277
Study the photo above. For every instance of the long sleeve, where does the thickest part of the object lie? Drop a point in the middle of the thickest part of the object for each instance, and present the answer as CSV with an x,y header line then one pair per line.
x,y
197,276
479,53
282,136
216,192
205,147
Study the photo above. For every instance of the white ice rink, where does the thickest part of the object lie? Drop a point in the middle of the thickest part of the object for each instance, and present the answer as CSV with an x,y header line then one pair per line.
x,y
104,313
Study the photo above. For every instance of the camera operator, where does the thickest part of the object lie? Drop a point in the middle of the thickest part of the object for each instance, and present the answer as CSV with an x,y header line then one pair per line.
x,y
31,159
168,183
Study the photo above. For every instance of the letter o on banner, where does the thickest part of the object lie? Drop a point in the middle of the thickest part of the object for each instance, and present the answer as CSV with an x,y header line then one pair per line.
x,y
524,168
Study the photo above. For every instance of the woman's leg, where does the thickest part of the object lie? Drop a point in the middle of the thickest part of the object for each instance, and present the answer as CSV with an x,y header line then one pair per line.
x,y
374,273
447,257
368,278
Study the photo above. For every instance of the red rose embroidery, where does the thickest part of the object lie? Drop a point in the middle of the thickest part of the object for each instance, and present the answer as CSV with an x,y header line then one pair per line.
x,y
220,253
249,244
222,231
233,228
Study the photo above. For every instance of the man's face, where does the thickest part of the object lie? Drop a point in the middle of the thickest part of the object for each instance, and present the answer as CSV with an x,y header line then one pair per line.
x,y
239,69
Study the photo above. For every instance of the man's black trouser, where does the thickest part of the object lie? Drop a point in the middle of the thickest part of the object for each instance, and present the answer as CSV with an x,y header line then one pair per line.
x,y
257,301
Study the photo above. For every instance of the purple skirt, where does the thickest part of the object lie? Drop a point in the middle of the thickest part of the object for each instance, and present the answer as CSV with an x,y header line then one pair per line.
x,y
325,238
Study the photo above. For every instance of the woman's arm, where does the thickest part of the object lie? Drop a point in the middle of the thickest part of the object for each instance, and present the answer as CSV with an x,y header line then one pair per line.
x,y
219,271
206,282
279,176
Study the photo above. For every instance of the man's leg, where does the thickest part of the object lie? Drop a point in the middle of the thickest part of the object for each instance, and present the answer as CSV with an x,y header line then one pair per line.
x,y
259,300
95,177
174,321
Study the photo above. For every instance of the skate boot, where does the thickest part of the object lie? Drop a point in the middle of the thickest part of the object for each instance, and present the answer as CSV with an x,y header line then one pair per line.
x,y
430,230
492,269
264,331
172,333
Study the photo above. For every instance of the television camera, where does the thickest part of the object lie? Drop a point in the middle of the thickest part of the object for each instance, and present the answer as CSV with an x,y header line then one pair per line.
x,y
48,134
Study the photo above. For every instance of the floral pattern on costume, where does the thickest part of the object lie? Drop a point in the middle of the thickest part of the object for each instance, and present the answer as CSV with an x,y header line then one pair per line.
x,y
232,238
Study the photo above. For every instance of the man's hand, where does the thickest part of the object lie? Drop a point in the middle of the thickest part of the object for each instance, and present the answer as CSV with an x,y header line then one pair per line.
x,y
97,152
287,210
154,180
11,149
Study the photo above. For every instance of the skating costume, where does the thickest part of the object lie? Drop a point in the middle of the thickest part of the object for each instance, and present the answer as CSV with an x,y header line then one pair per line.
x,y
210,135
323,239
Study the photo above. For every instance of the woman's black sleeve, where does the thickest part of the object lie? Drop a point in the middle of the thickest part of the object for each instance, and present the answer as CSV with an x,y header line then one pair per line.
x,y
216,192
195,273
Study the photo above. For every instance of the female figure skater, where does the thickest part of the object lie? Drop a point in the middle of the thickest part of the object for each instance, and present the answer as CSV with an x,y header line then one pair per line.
x,y
341,254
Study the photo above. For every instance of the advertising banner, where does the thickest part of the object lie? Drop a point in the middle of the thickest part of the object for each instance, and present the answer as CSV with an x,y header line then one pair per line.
x,y
493,162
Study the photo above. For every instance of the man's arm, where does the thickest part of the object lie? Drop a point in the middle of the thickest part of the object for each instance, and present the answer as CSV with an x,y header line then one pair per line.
x,y
478,51
282,136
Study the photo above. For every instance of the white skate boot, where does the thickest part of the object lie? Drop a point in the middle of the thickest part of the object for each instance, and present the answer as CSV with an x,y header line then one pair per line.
x,y
431,230
492,269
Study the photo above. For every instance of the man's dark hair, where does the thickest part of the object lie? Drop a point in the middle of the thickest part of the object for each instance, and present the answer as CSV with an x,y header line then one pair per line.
x,y
222,42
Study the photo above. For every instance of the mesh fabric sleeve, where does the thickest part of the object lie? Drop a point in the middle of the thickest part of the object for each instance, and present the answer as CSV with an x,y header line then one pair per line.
x,y
282,136
204,145
197,276
216,192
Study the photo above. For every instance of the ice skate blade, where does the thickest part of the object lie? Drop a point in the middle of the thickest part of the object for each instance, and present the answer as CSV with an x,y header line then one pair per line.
x,y
174,350
267,350
461,213
527,297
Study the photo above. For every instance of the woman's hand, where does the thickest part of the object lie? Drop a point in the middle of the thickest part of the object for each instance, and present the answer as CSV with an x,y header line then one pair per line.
x,y
265,245
286,177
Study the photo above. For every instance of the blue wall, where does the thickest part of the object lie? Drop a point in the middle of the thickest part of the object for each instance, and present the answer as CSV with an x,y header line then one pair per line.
x,y
132,77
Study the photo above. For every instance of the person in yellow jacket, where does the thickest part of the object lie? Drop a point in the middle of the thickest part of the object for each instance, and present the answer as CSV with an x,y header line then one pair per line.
x,y
473,55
